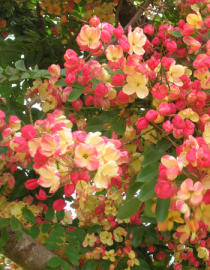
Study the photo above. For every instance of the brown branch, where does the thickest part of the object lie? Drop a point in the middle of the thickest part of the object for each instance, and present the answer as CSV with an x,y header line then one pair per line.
x,y
28,253
118,12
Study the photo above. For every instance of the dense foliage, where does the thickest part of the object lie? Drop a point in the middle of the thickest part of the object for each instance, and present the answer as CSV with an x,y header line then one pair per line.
x,y
105,132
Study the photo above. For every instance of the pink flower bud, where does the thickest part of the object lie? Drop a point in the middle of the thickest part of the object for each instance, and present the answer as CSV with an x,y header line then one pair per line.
x,y
118,32
70,79
156,41
142,123
149,29
28,132
59,205
94,21
164,108
31,184
118,79
178,122
151,115
105,36
101,90
89,101
77,105
69,190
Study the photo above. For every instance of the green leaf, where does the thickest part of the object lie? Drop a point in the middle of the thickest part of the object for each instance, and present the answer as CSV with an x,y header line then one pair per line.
x,y
104,264
60,215
142,266
14,78
148,173
89,265
137,232
152,157
10,70
177,33
132,190
20,65
118,125
54,261
19,236
16,225
25,75
145,219
147,190
4,222
4,236
129,208
72,254
64,265
34,231
74,242
51,245
61,82
45,227
54,239
94,123
1,70
28,215
75,94
95,229
50,214
163,144
151,235
161,210
148,208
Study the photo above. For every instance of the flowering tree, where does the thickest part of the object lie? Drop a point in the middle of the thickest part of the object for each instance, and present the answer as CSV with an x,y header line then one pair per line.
x,y
105,134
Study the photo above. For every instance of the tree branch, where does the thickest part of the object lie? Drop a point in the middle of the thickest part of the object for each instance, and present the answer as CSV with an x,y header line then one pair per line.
x,y
132,22
118,12
28,253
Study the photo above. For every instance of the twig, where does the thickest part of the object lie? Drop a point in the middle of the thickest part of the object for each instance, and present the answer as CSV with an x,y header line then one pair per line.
x,y
118,12
137,137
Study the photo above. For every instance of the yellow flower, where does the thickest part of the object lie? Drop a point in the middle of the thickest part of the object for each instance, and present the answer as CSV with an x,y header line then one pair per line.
x,y
136,84
110,255
106,238
90,240
194,21
137,39
114,53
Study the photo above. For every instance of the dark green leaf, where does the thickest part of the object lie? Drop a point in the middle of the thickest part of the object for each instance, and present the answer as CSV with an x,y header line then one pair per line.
x,y
147,190
28,215
104,264
4,236
142,266
145,219
72,254
129,208
148,173
95,229
45,227
61,82
137,232
132,190
74,242
50,214
164,144
19,236
161,210
60,215
4,222
75,94
34,231
152,157
54,239
148,208
64,265
16,225
54,261
151,235
118,125
20,65
51,245
89,265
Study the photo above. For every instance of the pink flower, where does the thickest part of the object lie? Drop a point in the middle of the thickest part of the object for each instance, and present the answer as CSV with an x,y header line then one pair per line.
x,y
151,115
174,166
42,195
142,123
118,79
86,156
164,190
191,192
